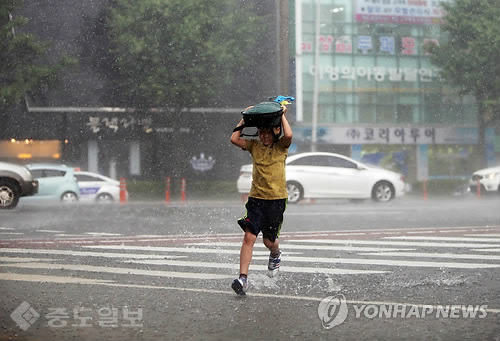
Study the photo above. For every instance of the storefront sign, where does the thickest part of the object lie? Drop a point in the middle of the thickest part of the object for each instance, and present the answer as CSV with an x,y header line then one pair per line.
x,y
408,46
97,124
400,12
376,73
378,134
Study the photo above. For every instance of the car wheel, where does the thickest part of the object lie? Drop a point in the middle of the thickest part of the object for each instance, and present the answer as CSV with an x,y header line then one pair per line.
x,y
295,192
104,198
383,191
9,194
69,197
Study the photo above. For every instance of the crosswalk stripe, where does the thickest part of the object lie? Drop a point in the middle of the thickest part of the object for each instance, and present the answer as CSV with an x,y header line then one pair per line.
x,y
333,271
87,253
487,250
392,242
357,261
483,235
117,270
432,255
7,276
450,239
286,246
389,262
21,259
342,213
174,249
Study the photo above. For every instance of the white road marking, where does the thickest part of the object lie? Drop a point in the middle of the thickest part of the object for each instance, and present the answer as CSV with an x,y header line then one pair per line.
x,y
343,213
483,235
6,228
175,249
420,232
22,259
448,239
49,231
390,242
11,233
388,262
433,255
117,270
6,276
76,280
285,246
88,254
257,267
99,234
486,250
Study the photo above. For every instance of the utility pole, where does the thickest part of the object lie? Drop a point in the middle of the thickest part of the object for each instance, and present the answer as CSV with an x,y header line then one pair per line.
x,y
314,135
283,45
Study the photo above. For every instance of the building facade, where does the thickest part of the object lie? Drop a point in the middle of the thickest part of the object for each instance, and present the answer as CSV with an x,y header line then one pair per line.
x,y
378,96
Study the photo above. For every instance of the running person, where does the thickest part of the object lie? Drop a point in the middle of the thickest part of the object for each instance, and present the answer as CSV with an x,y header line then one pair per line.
x,y
268,195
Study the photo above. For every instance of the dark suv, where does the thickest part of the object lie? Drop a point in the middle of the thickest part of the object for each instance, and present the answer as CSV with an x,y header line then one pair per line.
x,y
15,182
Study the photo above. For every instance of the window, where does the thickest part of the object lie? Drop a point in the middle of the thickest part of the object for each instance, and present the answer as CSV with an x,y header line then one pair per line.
x,y
340,163
37,173
81,177
304,161
47,173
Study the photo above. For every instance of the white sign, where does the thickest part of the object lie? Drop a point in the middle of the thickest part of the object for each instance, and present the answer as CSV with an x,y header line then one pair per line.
x,y
400,12
376,73
379,134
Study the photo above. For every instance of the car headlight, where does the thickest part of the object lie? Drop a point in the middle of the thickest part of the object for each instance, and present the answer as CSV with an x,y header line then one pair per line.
x,y
493,175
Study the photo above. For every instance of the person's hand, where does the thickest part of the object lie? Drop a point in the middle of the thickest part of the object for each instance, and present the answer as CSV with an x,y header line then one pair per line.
x,y
284,109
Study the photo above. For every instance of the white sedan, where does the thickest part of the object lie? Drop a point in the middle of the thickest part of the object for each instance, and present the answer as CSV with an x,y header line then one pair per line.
x,y
488,178
327,175
96,187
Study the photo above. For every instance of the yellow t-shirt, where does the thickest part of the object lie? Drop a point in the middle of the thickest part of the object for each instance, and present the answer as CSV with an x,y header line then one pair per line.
x,y
268,177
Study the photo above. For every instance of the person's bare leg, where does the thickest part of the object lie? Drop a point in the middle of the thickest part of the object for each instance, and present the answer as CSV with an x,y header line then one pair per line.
x,y
274,247
246,252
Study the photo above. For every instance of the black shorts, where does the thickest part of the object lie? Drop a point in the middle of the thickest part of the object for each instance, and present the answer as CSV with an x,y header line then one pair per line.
x,y
264,215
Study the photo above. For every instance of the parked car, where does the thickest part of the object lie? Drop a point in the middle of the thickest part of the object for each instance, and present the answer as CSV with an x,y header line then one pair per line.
x,y
329,175
55,182
489,180
97,187
15,182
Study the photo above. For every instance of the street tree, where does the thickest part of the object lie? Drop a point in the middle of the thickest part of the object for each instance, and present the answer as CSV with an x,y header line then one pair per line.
x,y
22,67
180,53
469,59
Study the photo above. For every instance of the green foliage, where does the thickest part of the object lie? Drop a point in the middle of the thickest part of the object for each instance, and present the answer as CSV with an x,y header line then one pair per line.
x,y
20,68
177,53
469,59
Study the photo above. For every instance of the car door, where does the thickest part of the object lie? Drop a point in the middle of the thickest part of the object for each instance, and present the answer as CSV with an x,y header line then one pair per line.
x,y
49,181
349,180
89,186
314,174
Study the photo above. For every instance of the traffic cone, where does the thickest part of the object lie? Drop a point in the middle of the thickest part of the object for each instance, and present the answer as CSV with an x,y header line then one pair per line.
x,y
167,190
123,191
183,189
